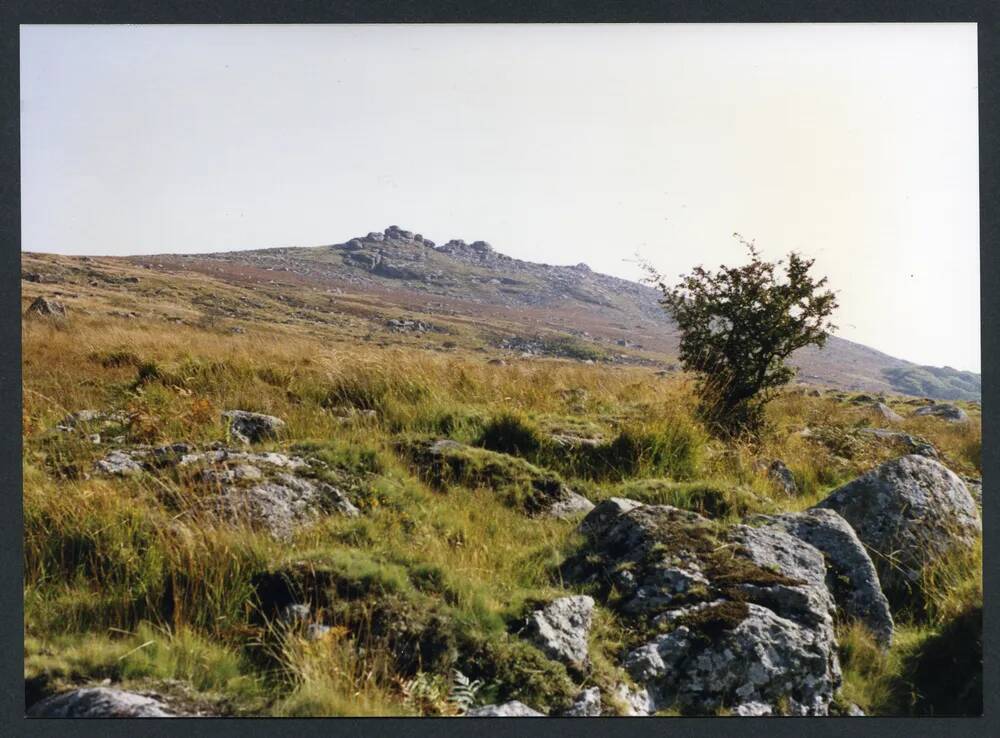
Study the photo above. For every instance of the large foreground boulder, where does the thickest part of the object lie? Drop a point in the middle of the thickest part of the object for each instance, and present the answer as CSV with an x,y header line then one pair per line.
x,y
850,574
738,615
909,512
98,702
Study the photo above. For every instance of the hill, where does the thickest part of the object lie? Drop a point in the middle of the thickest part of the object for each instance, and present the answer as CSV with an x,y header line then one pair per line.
x,y
395,282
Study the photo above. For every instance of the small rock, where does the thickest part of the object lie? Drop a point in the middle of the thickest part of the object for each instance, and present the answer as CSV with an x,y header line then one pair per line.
x,y
586,704
98,702
250,427
561,629
507,709
753,709
781,474
119,464
604,515
886,413
295,613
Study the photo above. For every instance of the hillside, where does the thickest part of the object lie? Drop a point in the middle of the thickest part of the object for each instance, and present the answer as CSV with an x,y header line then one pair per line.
x,y
469,295
278,483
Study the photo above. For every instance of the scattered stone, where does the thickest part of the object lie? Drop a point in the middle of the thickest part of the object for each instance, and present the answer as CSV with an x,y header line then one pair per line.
x,y
118,464
507,709
561,629
781,474
45,307
912,444
98,702
605,514
249,427
753,709
951,413
586,704
295,613
908,512
851,577
886,413
637,702
317,631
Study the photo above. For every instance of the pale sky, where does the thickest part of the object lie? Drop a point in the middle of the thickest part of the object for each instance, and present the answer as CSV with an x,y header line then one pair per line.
x,y
853,144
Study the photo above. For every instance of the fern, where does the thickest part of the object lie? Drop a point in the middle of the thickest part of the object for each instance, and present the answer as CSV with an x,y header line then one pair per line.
x,y
464,692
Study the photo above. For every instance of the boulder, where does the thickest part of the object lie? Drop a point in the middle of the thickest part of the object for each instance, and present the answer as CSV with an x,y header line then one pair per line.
x,y
98,702
637,702
884,412
747,611
561,629
248,427
507,709
586,704
45,307
605,513
908,512
734,653
951,413
850,574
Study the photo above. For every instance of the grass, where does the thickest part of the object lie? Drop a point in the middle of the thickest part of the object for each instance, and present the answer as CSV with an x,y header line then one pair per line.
x,y
125,580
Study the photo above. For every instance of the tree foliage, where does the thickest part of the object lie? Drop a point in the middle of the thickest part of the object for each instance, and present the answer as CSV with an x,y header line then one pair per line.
x,y
739,324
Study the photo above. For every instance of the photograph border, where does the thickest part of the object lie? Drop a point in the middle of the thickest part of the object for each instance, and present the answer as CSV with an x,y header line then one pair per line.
x,y
17,12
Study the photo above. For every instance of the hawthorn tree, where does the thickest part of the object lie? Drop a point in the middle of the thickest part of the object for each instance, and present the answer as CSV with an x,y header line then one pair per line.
x,y
738,325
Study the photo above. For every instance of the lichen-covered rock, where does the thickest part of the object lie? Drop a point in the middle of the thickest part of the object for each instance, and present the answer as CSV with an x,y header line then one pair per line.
x,y
118,464
283,503
248,427
561,629
753,709
851,576
728,598
908,512
637,702
951,413
98,702
732,653
507,709
586,704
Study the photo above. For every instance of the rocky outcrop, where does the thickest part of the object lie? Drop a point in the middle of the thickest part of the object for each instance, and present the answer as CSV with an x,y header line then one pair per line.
x,y
269,490
746,612
850,574
561,628
98,702
908,512
248,427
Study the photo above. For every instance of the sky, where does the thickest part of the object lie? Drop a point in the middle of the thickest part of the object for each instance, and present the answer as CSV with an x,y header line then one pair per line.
x,y
856,145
